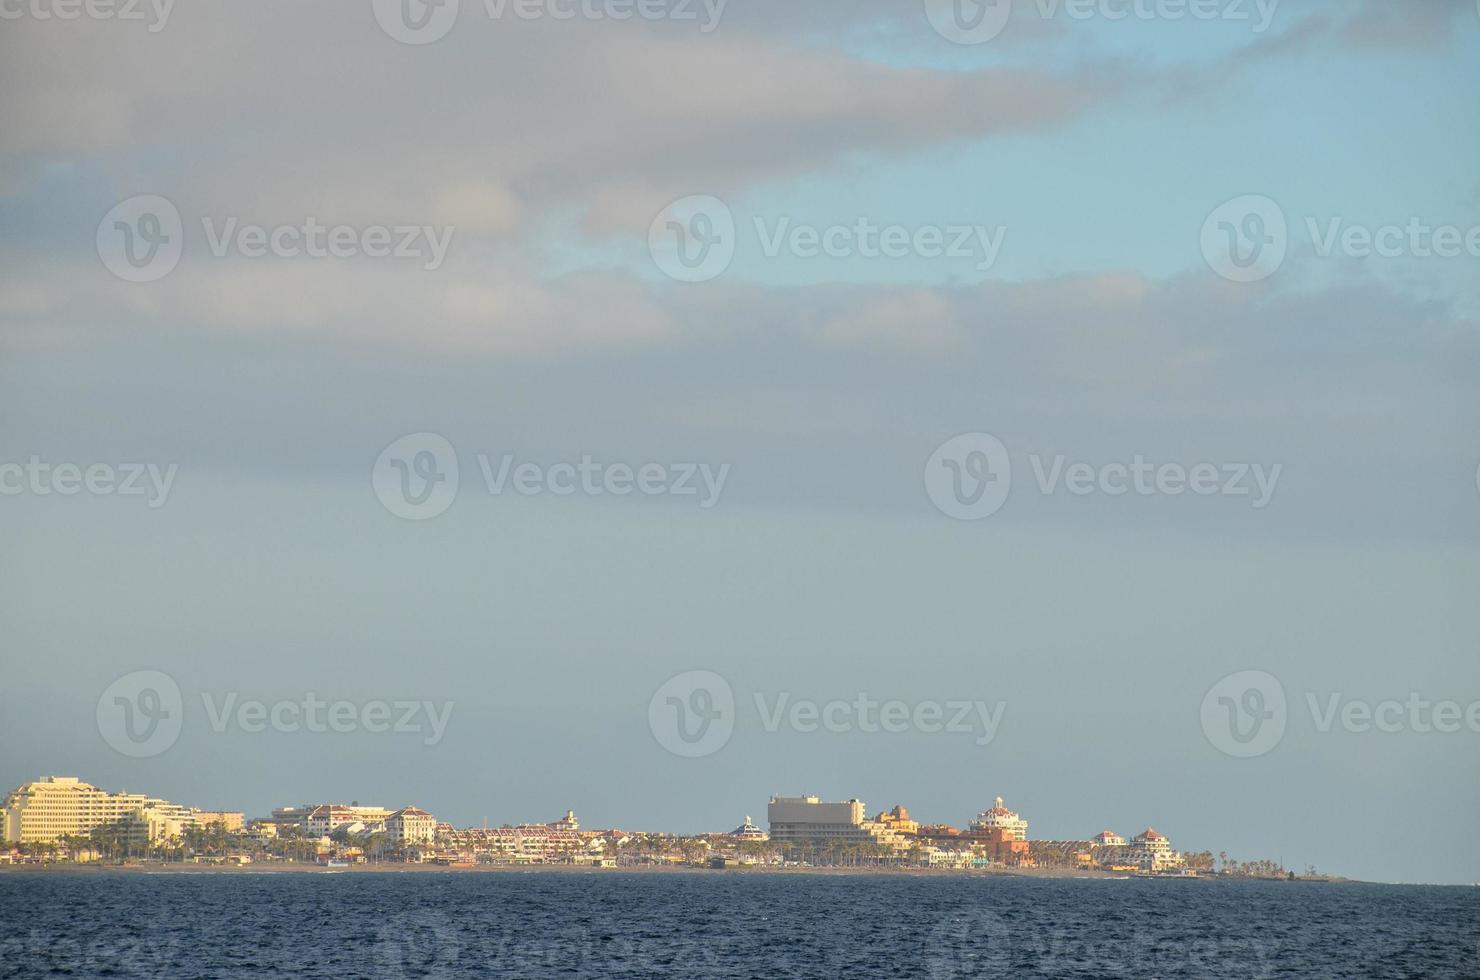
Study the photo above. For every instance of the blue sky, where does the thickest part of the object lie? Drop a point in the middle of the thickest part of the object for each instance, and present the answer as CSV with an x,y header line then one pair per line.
x,y
1103,333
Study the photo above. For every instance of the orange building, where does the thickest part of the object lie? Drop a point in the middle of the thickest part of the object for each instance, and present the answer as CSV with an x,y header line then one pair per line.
x,y
898,820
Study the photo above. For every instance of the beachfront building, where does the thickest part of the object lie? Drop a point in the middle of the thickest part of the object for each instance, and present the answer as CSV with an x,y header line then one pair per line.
x,y
999,817
1108,838
410,825
529,844
807,821
568,822
898,820
748,831
64,806
1152,851
231,821
324,819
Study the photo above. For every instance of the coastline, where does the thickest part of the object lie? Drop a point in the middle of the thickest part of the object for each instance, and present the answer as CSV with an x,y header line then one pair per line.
x,y
433,869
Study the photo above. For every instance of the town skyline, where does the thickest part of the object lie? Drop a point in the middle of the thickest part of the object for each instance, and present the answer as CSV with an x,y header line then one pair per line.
x,y
62,811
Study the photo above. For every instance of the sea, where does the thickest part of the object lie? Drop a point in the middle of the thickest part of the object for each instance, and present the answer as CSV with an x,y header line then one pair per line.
x,y
723,925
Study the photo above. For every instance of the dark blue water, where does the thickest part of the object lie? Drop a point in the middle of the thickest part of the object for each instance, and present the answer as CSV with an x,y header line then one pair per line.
x,y
723,925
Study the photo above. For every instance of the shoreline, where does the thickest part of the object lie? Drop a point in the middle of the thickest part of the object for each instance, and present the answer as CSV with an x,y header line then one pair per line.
x,y
432,869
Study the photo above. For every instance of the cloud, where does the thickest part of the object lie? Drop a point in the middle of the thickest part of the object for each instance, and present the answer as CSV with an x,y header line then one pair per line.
x,y
298,107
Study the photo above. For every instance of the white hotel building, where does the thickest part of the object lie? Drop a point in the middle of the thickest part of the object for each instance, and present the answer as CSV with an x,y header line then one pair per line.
x,y
62,806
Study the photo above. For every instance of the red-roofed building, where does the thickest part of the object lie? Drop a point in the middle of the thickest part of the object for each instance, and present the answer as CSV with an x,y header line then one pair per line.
x,y
1153,851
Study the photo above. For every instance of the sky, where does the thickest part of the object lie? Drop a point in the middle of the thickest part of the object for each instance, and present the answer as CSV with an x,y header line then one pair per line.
x,y
1233,248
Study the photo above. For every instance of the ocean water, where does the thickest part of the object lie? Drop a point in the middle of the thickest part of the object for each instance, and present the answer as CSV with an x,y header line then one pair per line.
x,y
723,925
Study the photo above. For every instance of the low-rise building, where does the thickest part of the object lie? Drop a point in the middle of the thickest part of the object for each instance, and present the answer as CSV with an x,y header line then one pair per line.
x,y
748,831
